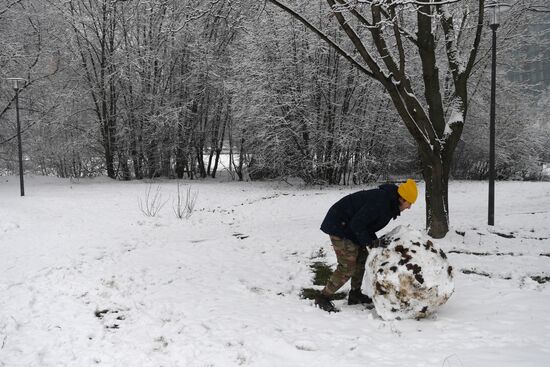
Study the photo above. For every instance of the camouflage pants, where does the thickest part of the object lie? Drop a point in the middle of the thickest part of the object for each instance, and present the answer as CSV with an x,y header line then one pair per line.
x,y
351,264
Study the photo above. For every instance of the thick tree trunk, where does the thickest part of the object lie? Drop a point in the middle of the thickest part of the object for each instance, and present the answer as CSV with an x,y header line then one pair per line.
x,y
436,177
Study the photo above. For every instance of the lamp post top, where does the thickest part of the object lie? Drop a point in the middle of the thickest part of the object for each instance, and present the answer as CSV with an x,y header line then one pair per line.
x,y
494,20
17,82
496,7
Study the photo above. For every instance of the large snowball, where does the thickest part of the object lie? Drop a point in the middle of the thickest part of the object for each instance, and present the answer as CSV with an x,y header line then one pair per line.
x,y
410,278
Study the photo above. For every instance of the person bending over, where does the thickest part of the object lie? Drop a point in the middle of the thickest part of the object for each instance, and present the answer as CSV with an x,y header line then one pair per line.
x,y
351,224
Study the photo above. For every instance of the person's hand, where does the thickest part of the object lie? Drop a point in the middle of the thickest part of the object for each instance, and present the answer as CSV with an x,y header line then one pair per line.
x,y
376,243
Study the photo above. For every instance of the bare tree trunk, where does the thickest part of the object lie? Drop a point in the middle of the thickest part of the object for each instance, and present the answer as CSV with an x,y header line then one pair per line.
x,y
436,178
221,136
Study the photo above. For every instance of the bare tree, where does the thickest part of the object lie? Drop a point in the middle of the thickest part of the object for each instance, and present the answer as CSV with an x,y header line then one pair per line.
x,y
95,28
433,107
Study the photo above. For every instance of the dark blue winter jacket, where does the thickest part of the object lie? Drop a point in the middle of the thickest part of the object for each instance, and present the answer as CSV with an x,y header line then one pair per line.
x,y
360,215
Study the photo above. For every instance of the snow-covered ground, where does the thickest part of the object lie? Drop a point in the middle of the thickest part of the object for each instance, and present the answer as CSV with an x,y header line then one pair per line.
x,y
86,279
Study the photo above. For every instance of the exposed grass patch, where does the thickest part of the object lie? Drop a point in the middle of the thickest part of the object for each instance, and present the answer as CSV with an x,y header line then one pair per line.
x,y
321,274
541,278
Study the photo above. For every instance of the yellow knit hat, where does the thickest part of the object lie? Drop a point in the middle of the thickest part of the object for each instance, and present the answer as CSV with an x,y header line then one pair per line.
x,y
408,191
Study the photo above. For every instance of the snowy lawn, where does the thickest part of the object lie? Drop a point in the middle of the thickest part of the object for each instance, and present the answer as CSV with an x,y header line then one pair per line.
x,y
87,279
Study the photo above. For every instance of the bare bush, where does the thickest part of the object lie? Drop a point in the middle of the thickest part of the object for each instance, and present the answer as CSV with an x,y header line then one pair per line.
x,y
183,207
152,203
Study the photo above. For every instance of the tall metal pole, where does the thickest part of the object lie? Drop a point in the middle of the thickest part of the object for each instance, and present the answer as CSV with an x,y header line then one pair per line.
x,y
492,129
19,144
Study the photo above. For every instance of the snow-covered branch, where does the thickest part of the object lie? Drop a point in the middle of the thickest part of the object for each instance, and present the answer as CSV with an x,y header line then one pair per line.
x,y
406,2
323,36
8,6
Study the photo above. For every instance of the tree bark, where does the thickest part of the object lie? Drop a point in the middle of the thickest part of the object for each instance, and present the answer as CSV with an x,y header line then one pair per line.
x,y
436,178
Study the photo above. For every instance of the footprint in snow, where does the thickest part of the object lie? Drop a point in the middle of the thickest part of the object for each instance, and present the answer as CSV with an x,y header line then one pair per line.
x,y
305,345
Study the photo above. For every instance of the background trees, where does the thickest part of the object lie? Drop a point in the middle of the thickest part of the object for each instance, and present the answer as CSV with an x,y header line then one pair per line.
x,y
331,124
136,89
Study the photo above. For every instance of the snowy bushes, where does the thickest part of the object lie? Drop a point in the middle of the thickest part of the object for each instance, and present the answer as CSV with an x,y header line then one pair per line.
x,y
183,204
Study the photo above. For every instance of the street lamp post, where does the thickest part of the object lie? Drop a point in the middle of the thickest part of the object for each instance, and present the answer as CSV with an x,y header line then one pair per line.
x,y
17,84
493,23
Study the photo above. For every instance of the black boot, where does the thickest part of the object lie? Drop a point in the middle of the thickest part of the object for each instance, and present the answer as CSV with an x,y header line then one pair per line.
x,y
355,297
324,303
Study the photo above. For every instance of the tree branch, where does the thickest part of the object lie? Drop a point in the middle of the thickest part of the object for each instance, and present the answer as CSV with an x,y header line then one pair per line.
x,y
324,37
477,40
430,72
408,106
381,45
9,6
399,42
376,71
